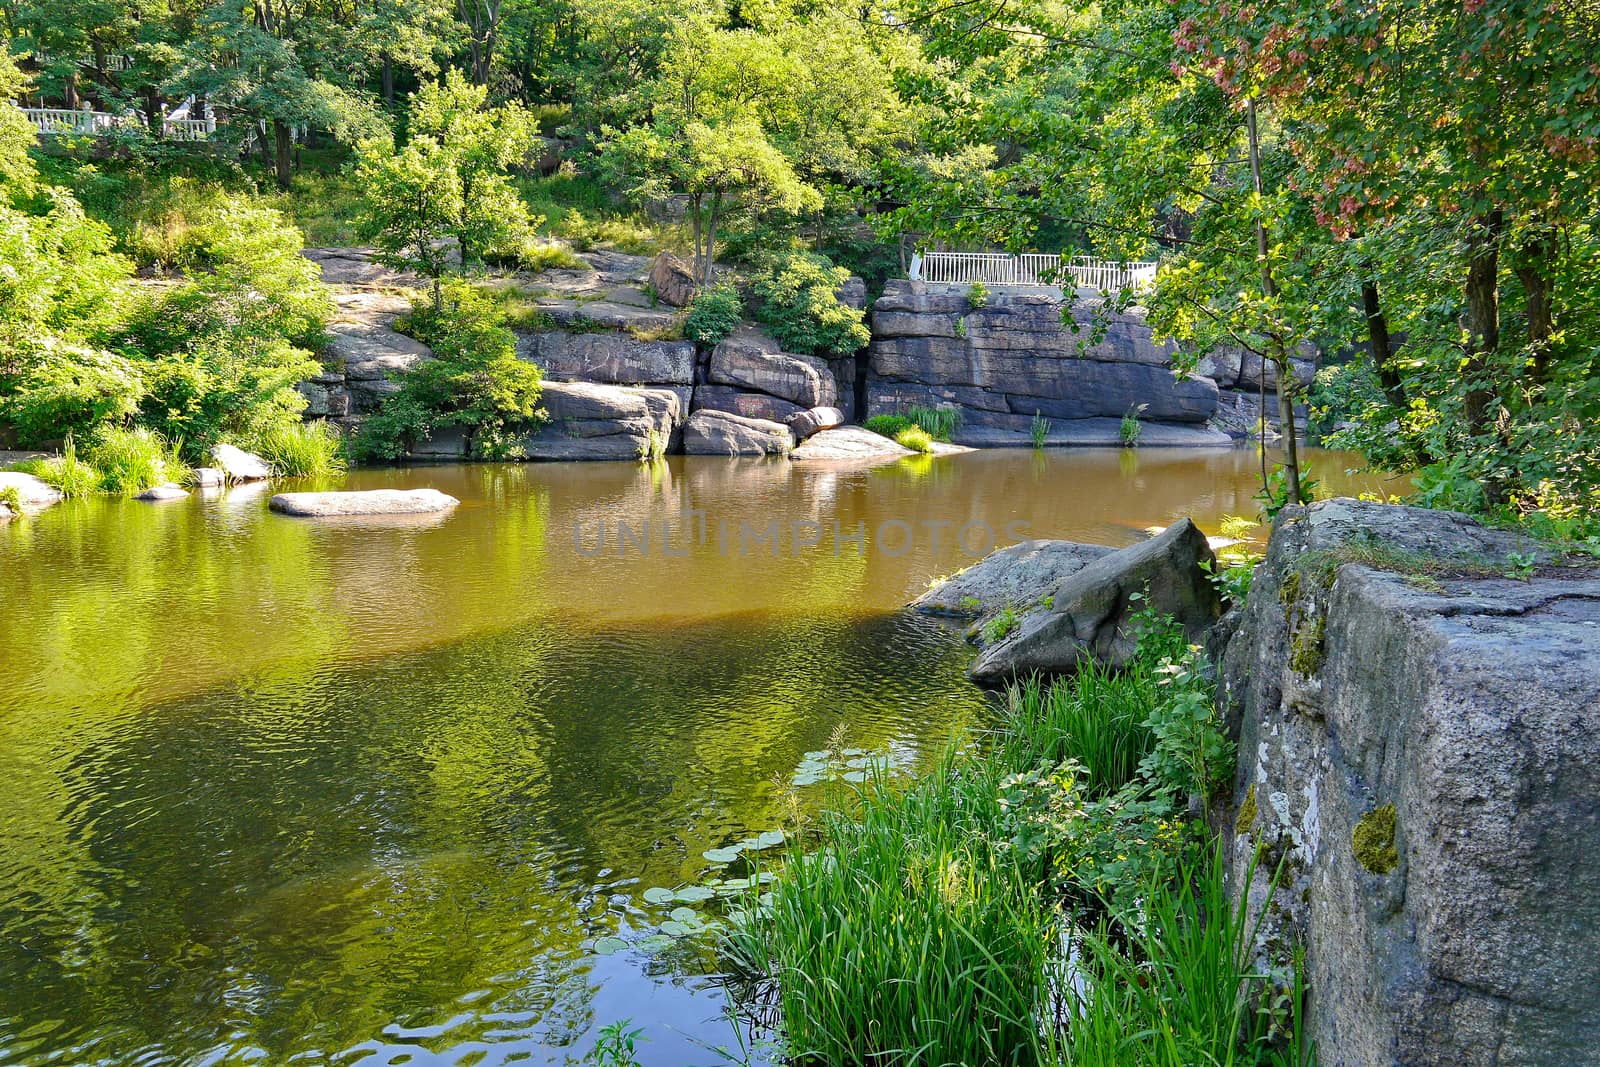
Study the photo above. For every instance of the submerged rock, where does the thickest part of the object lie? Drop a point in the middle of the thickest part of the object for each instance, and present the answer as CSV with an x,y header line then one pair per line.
x,y
158,493
1090,613
237,465
32,492
1017,576
364,502
1419,765
717,433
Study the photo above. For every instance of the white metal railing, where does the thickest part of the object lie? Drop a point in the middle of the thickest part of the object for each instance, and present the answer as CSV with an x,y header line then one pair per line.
x,y
56,120
1030,268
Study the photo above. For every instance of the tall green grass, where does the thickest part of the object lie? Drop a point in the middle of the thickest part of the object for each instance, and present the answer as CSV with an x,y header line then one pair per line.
x,y
303,450
939,423
68,474
131,461
906,936
936,922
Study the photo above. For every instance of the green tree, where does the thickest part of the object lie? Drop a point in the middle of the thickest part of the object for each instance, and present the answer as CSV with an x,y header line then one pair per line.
x,y
411,201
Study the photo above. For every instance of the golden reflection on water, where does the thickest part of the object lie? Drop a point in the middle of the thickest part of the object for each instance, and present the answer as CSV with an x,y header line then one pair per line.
x,y
357,793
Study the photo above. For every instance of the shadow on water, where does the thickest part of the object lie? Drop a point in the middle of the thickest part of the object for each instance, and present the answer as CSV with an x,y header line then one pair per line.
x,y
275,789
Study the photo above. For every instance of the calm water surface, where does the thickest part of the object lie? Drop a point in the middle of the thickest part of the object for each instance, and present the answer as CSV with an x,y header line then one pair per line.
x,y
274,790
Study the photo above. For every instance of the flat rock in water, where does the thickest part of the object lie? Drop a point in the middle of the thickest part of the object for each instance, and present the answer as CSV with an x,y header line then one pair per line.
x,y
237,465
1016,576
365,502
209,478
157,493
31,491
852,444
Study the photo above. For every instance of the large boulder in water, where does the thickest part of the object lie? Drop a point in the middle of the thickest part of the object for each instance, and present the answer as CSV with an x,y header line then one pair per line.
x,y
1090,614
589,420
237,465
1017,576
364,502
717,433
1418,722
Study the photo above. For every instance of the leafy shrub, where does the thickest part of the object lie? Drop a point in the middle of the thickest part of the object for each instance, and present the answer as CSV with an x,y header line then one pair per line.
x,y
797,299
303,449
60,389
1131,428
891,426
915,438
713,314
1000,627
475,383
977,296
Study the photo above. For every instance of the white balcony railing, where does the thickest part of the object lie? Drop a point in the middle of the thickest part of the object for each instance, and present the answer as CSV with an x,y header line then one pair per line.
x,y
57,120
1030,268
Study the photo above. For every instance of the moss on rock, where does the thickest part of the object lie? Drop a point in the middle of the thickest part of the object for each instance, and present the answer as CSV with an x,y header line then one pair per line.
x,y
1373,840
1307,653
1246,819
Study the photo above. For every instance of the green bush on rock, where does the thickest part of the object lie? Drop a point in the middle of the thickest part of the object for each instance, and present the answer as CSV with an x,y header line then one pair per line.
x,y
797,300
713,314
475,383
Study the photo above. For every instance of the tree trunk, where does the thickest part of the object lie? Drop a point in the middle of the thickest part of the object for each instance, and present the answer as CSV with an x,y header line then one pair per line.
x,y
711,238
438,296
69,89
1382,353
1483,316
694,215
282,144
1534,259
153,118
1280,352
388,80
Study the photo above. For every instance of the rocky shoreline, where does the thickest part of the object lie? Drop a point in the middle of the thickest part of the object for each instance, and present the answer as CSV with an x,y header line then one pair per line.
x,y
617,386
1416,713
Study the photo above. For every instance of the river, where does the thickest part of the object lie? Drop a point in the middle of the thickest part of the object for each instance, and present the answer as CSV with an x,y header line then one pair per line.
x,y
276,790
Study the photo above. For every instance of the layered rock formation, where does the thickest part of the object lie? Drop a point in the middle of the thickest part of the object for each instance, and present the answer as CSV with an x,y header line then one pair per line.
x,y
1419,766
1011,361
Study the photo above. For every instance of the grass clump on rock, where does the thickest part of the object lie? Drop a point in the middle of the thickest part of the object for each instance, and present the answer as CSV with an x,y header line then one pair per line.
x,y
915,438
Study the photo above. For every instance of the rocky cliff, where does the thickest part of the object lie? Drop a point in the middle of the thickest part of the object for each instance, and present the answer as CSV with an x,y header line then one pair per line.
x,y
1012,359
1417,703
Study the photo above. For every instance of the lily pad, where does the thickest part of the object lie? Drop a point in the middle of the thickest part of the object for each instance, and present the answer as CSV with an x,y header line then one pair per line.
x,y
658,895
685,915
655,942
770,839
609,946
673,928
722,855
693,894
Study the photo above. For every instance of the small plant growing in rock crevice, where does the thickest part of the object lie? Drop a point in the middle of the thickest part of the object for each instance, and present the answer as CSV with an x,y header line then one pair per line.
x,y
1131,427
1373,840
1001,626
977,296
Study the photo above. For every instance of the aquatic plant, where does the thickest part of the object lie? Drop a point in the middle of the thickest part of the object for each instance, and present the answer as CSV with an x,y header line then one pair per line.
x,y
66,473
618,1045
939,422
303,449
1039,430
890,426
654,447
915,438
131,461
1131,426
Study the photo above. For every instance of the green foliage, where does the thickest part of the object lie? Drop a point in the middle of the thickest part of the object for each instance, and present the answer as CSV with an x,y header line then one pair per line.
x,y
131,461
939,423
302,449
10,502
618,1045
977,296
1001,625
654,447
1131,428
68,474
891,426
915,438
713,314
1039,430
1274,496
797,299
475,383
